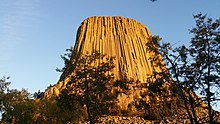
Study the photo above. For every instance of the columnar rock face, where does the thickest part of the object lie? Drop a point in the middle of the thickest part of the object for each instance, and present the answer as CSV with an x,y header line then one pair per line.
x,y
125,39
119,37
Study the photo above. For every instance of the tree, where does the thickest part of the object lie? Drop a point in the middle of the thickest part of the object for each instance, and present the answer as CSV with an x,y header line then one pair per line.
x,y
170,74
17,107
48,111
70,108
4,84
194,69
90,81
205,51
3,88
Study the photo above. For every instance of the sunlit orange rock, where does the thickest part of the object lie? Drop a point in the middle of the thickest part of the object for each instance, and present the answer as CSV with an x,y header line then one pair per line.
x,y
123,38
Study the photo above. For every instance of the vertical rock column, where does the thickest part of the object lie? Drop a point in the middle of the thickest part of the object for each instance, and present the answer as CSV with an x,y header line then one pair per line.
x,y
123,38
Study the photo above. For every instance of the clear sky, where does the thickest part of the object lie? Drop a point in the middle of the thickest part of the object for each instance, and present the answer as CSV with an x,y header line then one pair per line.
x,y
34,33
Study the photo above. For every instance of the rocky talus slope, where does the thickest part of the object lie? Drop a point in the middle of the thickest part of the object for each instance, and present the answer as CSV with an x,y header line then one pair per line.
x,y
180,117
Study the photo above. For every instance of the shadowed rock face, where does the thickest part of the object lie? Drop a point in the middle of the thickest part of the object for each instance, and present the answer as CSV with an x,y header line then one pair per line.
x,y
123,38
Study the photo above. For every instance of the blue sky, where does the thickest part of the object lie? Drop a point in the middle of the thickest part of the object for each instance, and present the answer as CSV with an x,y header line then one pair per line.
x,y
34,33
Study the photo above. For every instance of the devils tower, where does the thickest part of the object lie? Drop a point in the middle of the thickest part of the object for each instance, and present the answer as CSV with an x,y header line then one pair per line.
x,y
126,40
123,38
120,37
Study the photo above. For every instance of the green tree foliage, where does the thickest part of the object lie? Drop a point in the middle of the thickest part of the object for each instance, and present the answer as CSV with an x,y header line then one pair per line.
x,y
193,69
3,88
90,82
49,111
4,84
16,107
70,107
163,102
46,111
205,51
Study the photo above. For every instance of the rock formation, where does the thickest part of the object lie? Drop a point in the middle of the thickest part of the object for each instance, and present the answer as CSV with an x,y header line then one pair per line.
x,y
123,38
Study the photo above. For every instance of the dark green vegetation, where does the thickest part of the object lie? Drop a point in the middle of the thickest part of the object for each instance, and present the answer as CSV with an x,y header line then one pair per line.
x,y
92,91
